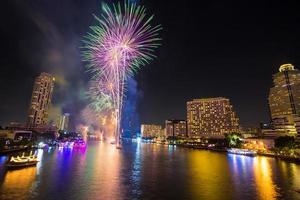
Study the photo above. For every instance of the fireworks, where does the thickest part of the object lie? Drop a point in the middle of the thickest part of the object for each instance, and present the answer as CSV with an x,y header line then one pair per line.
x,y
122,41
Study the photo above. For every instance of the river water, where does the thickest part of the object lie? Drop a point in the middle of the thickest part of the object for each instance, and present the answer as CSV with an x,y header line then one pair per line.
x,y
149,171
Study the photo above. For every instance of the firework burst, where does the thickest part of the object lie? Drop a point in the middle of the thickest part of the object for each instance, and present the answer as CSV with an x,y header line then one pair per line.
x,y
122,41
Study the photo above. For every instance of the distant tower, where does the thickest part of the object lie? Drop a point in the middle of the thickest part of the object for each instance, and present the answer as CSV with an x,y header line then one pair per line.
x,y
40,100
284,100
64,122
284,97
211,117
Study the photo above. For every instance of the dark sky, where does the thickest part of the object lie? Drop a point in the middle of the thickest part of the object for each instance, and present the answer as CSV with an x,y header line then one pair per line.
x,y
209,49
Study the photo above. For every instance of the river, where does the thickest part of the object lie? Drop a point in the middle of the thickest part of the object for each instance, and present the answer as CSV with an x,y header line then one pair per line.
x,y
149,171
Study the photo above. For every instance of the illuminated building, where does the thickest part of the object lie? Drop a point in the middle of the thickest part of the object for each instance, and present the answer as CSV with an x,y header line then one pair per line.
x,y
40,100
258,143
151,130
249,132
64,122
211,117
284,125
284,100
176,128
284,97
297,126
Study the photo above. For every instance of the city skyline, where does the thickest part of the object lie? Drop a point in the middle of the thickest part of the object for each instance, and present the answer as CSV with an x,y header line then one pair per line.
x,y
149,99
181,70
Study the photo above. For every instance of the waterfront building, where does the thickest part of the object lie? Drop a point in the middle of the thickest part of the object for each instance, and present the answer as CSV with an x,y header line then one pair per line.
x,y
211,117
16,126
176,128
280,126
64,122
269,133
284,125
40,101
249,132
284,100
151,130
15,134
297,126
259,143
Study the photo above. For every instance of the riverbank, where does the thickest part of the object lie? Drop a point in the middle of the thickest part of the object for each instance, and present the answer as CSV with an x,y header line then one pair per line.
x,y
10,151
223,149
280,157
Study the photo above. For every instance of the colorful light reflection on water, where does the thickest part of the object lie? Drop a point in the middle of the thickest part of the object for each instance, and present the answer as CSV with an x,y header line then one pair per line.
x,y
149,171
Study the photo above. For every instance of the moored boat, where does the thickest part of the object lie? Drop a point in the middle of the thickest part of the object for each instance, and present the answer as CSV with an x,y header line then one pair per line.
x,y
79,143
245,152
21,162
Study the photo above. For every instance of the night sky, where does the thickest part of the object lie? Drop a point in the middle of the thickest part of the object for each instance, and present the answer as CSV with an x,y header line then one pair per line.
x,y
209,49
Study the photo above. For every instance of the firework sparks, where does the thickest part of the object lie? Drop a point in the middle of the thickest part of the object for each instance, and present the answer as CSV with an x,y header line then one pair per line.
x,y
122,41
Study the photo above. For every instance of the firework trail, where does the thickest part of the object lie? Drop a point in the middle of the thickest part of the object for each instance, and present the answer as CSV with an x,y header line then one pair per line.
x,y
122,41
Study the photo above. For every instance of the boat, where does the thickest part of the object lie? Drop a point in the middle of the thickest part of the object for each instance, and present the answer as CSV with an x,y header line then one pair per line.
x,y
67,144
244,152
42,145
21,162
79,144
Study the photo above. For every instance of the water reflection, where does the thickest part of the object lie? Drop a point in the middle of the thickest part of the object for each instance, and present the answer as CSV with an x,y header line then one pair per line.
x,y
18,183
209,176
266,189
295,171
136,171
106,173
39,154
147,171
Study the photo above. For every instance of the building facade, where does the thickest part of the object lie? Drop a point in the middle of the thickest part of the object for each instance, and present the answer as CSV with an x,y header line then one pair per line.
x,y
211,117
284,96
40,100
176,128
284,100
151,130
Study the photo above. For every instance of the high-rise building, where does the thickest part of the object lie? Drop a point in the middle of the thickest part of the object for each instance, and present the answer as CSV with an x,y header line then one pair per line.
x,y
211,117
151,130
40,100
64,122
176,128
284,97
284,100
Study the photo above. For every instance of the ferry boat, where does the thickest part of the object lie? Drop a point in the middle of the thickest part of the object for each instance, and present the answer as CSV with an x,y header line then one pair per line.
x,y
245,152
21,162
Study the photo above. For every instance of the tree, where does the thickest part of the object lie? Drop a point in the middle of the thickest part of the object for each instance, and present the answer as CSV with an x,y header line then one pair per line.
x,y
285,141
233,140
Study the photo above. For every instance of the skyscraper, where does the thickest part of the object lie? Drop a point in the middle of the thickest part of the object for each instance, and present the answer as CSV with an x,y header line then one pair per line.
x,y
64,122
284,100
40,100
211,117
284,96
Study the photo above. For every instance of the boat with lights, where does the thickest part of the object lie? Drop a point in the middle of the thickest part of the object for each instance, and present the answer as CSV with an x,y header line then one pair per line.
x,y
244,152
21,162
79,144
